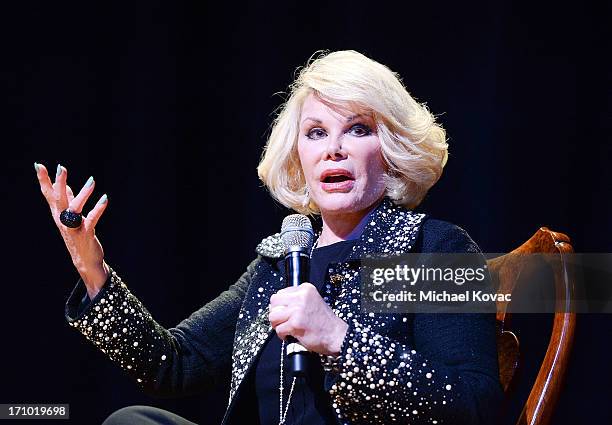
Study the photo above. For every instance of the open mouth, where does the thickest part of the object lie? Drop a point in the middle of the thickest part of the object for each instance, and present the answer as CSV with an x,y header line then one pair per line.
x,y
336,175
336,178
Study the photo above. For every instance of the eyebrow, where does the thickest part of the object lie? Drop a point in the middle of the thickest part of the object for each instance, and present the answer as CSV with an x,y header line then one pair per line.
x,y
318,121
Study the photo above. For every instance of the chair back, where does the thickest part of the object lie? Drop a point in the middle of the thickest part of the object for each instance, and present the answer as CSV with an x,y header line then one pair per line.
x,y
505,272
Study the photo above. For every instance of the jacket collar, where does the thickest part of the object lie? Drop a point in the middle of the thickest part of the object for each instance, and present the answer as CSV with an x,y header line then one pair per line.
x,y
389,231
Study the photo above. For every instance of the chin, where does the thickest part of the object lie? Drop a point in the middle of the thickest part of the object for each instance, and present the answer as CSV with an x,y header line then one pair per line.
x,y
340,203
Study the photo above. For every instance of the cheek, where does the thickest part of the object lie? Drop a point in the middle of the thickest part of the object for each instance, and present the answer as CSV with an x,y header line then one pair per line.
x,y
306,158
375,165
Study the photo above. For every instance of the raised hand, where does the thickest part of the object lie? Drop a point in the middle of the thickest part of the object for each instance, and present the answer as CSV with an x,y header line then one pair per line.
x,y
82,244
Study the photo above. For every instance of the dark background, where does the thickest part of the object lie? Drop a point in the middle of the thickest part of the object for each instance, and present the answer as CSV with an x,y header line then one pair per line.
x,y
168,104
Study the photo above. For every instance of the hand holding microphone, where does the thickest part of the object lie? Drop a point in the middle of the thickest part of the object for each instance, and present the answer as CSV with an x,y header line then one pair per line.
x,y
298,313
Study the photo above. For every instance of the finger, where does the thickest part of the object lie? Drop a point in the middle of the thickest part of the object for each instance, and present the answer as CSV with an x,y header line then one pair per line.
x,y
287,328
59,188
287,296
44,181
94,215
69,193
279,299
283,296
278,315
77,204
277,308
284,330
307,286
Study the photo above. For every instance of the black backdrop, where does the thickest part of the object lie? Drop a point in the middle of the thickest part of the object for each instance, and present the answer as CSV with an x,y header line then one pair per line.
x,y
168,104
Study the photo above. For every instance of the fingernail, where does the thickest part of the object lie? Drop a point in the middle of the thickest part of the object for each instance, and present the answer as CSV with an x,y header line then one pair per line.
x,y
103,199
36,166
89,181
59,171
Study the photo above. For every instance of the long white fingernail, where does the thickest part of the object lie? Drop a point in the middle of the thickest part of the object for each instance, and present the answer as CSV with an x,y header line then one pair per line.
x,y
103,199
89,181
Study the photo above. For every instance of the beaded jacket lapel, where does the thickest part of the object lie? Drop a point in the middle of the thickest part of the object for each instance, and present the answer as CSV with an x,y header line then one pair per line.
x,y
390,230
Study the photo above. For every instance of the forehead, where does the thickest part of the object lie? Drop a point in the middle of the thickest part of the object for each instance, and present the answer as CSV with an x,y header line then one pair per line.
x,y
315,107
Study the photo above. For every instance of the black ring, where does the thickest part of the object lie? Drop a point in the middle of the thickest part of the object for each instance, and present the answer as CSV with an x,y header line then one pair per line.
x,y
71,219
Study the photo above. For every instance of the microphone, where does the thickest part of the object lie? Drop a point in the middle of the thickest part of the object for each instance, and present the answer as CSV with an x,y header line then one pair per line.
x,y
297,237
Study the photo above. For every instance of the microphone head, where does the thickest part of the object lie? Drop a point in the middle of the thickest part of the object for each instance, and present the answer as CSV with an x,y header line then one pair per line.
x,y
297,233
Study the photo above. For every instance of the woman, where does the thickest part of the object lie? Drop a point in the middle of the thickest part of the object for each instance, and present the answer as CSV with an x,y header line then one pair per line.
x,y
351,145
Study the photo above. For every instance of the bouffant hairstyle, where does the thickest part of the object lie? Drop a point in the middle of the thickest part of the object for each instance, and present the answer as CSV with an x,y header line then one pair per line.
x,y
413,145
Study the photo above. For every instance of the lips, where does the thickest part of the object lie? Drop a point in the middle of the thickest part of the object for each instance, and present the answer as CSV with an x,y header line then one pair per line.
x,y
337,180
336,175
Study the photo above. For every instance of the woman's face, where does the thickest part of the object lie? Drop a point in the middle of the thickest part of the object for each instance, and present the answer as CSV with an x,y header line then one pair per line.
x,y
341,158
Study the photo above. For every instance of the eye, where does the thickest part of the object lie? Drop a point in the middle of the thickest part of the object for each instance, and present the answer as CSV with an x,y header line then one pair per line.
x,y
360,130
316,133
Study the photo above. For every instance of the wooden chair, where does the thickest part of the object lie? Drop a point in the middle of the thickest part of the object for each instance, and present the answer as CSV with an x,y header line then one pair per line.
x,y
505,271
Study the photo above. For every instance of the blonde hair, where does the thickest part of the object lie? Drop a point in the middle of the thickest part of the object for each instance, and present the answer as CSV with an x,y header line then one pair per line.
x,y
413,145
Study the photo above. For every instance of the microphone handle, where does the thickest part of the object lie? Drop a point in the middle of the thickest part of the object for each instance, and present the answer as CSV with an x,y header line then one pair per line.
x,y
296,270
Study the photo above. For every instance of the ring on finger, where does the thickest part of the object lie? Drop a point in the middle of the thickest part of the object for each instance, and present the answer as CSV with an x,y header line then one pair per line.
x,y
71,219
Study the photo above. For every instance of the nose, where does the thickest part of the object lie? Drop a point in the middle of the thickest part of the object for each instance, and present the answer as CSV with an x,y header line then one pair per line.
x,y
335,150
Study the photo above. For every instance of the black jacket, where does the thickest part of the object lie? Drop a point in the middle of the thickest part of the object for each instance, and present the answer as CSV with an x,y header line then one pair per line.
x,y
411,368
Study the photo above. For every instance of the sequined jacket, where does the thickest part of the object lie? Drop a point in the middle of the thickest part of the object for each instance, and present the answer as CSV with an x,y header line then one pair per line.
x,y
412,369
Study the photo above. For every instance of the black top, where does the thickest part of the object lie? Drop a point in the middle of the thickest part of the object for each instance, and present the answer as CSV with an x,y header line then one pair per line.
x,y
310,403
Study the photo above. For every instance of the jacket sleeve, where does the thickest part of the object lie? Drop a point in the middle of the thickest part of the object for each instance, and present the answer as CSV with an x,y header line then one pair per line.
x,y
186,359
449,376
